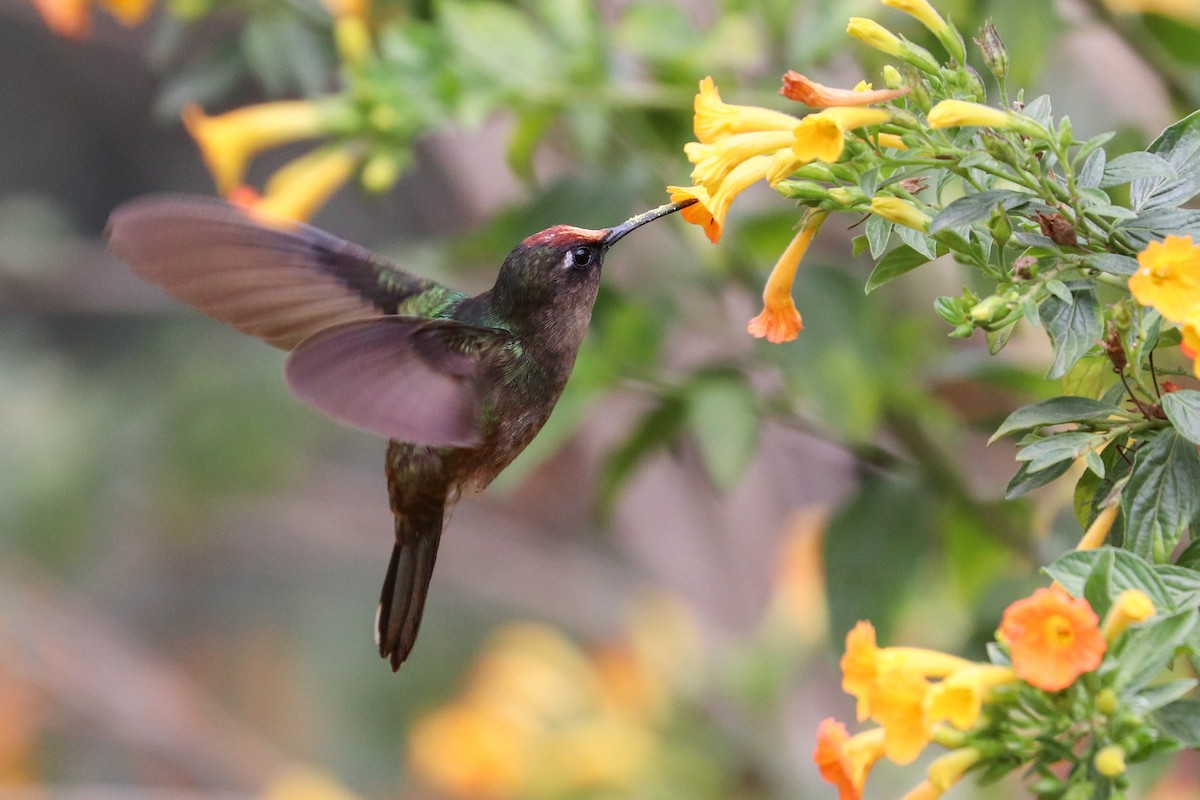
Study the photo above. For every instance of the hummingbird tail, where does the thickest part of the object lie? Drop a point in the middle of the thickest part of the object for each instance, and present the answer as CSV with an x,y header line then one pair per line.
x,y
403,599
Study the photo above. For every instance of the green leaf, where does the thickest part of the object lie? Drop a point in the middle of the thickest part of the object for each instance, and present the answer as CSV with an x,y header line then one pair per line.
x,y
1026,479
1129,166
499,42
1111,263
1160,499
872,548
1127,571
1059,447
1181,721
1055,411
977,207
1182,582
1183,409
1190,557
918,241
897,262
1158,223
1074,328
1092,171
878,231
1155,697
1150,648
1179,145
722,412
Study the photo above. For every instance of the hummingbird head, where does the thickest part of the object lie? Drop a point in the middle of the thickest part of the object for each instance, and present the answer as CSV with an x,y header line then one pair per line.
x,y
560,266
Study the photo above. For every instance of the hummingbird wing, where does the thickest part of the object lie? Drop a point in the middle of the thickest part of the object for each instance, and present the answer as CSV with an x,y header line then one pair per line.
x,y
280,283
405,378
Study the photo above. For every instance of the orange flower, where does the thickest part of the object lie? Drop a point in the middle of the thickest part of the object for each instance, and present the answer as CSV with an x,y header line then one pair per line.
x,y
898,702
845,760
469,753
780,321
1053,638
805,90
72,18
1168,278
712,206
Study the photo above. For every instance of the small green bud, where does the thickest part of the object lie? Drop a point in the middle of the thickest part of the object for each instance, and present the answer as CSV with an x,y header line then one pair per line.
x,y
847,196
1000,226
1000,149
802,190
989,310
919,57
995,54
1065,135
1107,702
973,83
892,78
919,96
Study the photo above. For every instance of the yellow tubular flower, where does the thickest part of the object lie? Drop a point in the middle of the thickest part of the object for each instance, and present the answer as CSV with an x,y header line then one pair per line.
x,y
889,140
959,698
925,790
780,321
871,33
710,209
957,113
715,160
898,700
1168,277
822,136
715,118
1131,606
1097,532
947,770
301,187
863,661
901,212
923,12
229,141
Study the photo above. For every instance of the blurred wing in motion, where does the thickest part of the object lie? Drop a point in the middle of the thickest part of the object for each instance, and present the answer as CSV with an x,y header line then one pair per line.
x,y
280,283
405,378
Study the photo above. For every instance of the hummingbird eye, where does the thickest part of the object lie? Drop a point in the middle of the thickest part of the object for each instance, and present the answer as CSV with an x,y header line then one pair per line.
x,y
581,256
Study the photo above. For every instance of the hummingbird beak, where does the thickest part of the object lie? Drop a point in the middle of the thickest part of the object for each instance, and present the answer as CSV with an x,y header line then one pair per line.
x,y
619,231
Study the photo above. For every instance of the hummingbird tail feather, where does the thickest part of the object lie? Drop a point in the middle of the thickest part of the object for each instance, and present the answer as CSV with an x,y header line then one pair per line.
x,y
403,598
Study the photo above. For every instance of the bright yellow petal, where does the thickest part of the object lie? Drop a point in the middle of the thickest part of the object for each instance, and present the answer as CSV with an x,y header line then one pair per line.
x,y
715,118
960,697
702,212
898,704
301,187
901,212
229,141
1168,277
715,160
922,11
957,113
871,33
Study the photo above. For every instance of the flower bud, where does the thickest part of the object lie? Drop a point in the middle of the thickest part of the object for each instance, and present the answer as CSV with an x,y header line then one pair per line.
x,y
1107,702
847,196
919,94
973,83
892,77
995,54
381,172
989,310
802,190
1110,761
1131,606
901,212
1000,226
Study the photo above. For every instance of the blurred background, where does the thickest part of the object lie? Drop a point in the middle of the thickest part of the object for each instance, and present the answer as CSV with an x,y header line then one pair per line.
x,y
650,603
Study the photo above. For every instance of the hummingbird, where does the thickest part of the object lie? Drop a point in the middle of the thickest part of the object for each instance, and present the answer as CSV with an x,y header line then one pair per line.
x,y
459,385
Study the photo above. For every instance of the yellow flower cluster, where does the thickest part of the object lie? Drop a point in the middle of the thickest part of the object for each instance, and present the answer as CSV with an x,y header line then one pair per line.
x,y
230,141
919,696
1168,279
541,717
